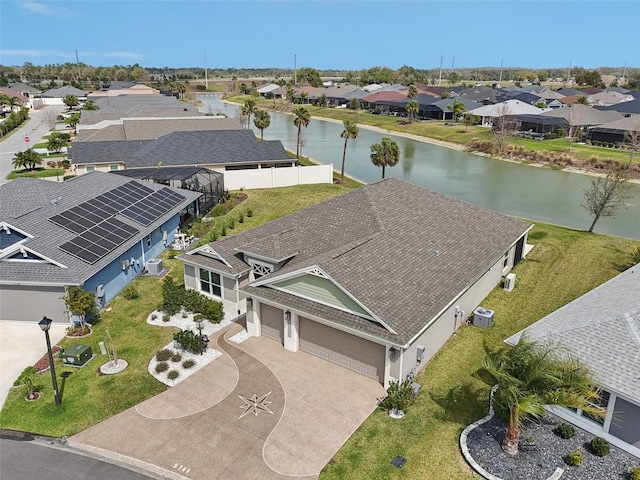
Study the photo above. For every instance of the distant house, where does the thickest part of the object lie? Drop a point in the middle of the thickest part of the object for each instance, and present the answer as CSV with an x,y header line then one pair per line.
x,y
32,94
615,132
266,91
602,328
54,96
624,108
375,280
97,231
18,101
115,90
508,108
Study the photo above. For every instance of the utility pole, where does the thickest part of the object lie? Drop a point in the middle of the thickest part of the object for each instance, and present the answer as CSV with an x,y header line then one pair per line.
x,y
78,66
569,74
206,78
440,79
501,63
624,72
295,70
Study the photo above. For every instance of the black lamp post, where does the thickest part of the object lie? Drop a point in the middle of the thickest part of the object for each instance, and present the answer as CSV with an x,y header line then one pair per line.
x,y
45,324
199,323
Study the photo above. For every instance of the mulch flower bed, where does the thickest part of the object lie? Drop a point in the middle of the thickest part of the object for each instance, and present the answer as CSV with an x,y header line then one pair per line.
x,y
43,364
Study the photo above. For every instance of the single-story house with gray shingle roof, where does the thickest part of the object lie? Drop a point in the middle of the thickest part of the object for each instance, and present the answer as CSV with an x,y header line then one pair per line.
x,y
616,132
215,149
375,280
54,96
602,328
80,232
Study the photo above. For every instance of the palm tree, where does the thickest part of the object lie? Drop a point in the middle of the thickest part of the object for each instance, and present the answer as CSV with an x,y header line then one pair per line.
x,y
182,88
302,119
249,108
413,92
29,159
385,154
532,375
412,108
350,131
262,120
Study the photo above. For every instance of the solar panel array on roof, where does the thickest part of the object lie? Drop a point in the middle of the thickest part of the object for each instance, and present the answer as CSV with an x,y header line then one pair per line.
x,y
99,240
153,206
99,232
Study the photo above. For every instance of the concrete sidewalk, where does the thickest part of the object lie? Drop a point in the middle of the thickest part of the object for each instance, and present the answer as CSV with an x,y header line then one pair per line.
x,y
257,411
21,345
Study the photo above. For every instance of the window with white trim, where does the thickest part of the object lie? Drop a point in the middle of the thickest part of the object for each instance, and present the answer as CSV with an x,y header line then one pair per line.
x,y
602,402
114,166
210,283
90,168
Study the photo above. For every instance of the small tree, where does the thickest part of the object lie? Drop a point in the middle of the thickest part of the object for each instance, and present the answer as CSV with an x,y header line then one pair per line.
x,y
262,120
80,303
503,125
73,120
91,105
302,119
607,195
29,159
385,154
71,100
632,141
50,118
412,108
57,141
350,131
457,109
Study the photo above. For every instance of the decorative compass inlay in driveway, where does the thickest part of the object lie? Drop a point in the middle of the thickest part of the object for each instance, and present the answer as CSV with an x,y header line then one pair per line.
x,y
255,405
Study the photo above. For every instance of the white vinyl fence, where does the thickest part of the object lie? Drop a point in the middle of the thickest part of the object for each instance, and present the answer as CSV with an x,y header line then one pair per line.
x,y
277,177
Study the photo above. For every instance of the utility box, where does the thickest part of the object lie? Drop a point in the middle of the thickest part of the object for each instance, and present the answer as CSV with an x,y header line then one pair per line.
x,y
509,282
154,266
76,355
483,317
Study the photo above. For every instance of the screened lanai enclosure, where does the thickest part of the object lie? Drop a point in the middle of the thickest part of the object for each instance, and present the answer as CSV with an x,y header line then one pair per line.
x,y
198,179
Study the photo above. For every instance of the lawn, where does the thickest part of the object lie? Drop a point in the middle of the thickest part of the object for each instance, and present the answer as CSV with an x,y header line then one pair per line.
x,y
37,173
563,265
89,398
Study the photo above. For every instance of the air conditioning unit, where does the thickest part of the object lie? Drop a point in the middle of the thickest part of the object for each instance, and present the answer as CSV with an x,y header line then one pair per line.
x,y
154,266
509,282
483,317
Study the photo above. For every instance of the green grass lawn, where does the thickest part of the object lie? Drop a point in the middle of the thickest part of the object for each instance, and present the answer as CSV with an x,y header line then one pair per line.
x,y
37,173
563,265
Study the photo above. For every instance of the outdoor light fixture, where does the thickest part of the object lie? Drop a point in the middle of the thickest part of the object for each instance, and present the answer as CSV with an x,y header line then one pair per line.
x,y
45,325
287,316
199,323
249,302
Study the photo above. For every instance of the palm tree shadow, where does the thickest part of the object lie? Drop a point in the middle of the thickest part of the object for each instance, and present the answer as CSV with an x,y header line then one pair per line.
x,y
463,404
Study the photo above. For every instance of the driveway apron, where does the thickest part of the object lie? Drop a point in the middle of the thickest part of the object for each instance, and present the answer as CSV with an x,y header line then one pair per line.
x,y
224,440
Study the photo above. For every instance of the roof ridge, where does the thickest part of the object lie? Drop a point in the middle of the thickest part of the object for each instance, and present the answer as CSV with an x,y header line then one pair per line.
x,y
634,330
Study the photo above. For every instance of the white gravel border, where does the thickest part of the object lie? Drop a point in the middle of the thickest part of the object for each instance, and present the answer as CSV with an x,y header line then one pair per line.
x,y
184,321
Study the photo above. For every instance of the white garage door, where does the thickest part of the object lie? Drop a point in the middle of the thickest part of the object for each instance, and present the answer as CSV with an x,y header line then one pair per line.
x,y
354,353
272,320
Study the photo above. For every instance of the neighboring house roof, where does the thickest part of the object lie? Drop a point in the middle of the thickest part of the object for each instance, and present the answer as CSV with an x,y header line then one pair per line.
x,y
528,98
14,94
26,204
123,106
270,87
632,107
627,124
571,91
385,96
510,107
446,104
617,89
571,99
23,87
578,114
550,94
209,147
591,90
62,92
150,128
602,328
480,94
404,253
611,98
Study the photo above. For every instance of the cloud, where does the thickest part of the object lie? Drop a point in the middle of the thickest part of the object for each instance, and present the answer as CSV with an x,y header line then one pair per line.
x,y
35,53
42,9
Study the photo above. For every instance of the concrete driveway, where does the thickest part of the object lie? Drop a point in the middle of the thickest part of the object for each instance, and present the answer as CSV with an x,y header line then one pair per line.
x,y
22,344
256,412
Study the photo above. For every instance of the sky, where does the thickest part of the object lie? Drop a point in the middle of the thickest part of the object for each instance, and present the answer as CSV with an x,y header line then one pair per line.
x,y
323,34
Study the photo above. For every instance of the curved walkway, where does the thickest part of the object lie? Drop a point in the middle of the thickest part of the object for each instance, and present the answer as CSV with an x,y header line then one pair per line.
x,y
234,419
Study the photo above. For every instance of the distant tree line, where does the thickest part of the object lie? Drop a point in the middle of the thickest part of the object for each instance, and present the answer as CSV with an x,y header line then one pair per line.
x,y
82,74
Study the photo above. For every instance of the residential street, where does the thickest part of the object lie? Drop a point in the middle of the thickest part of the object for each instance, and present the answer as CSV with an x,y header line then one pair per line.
x,y
23,458
35,128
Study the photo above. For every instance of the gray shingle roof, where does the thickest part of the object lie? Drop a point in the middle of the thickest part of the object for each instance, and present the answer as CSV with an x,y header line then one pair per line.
x,y
27,203
115,108
210,147
403,251
61,92
602,328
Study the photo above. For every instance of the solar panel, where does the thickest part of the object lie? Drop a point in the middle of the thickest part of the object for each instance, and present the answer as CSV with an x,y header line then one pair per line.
x,y
97,242
153,206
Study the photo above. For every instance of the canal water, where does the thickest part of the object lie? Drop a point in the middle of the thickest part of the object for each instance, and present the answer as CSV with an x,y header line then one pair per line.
x,y
529,192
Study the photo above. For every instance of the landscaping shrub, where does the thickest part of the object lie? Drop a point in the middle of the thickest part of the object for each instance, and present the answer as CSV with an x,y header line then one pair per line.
x,y
574,458
162,367
249,213
171,296
241,218
191,363
232,223
399,395
154,316
173,374
634,473
600,447
130,292
164,355
566,431
176,357
27,372
184,314
166,317
223,232
188,340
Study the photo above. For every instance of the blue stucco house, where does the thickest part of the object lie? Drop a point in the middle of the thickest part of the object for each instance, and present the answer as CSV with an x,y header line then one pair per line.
x,y
97,231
